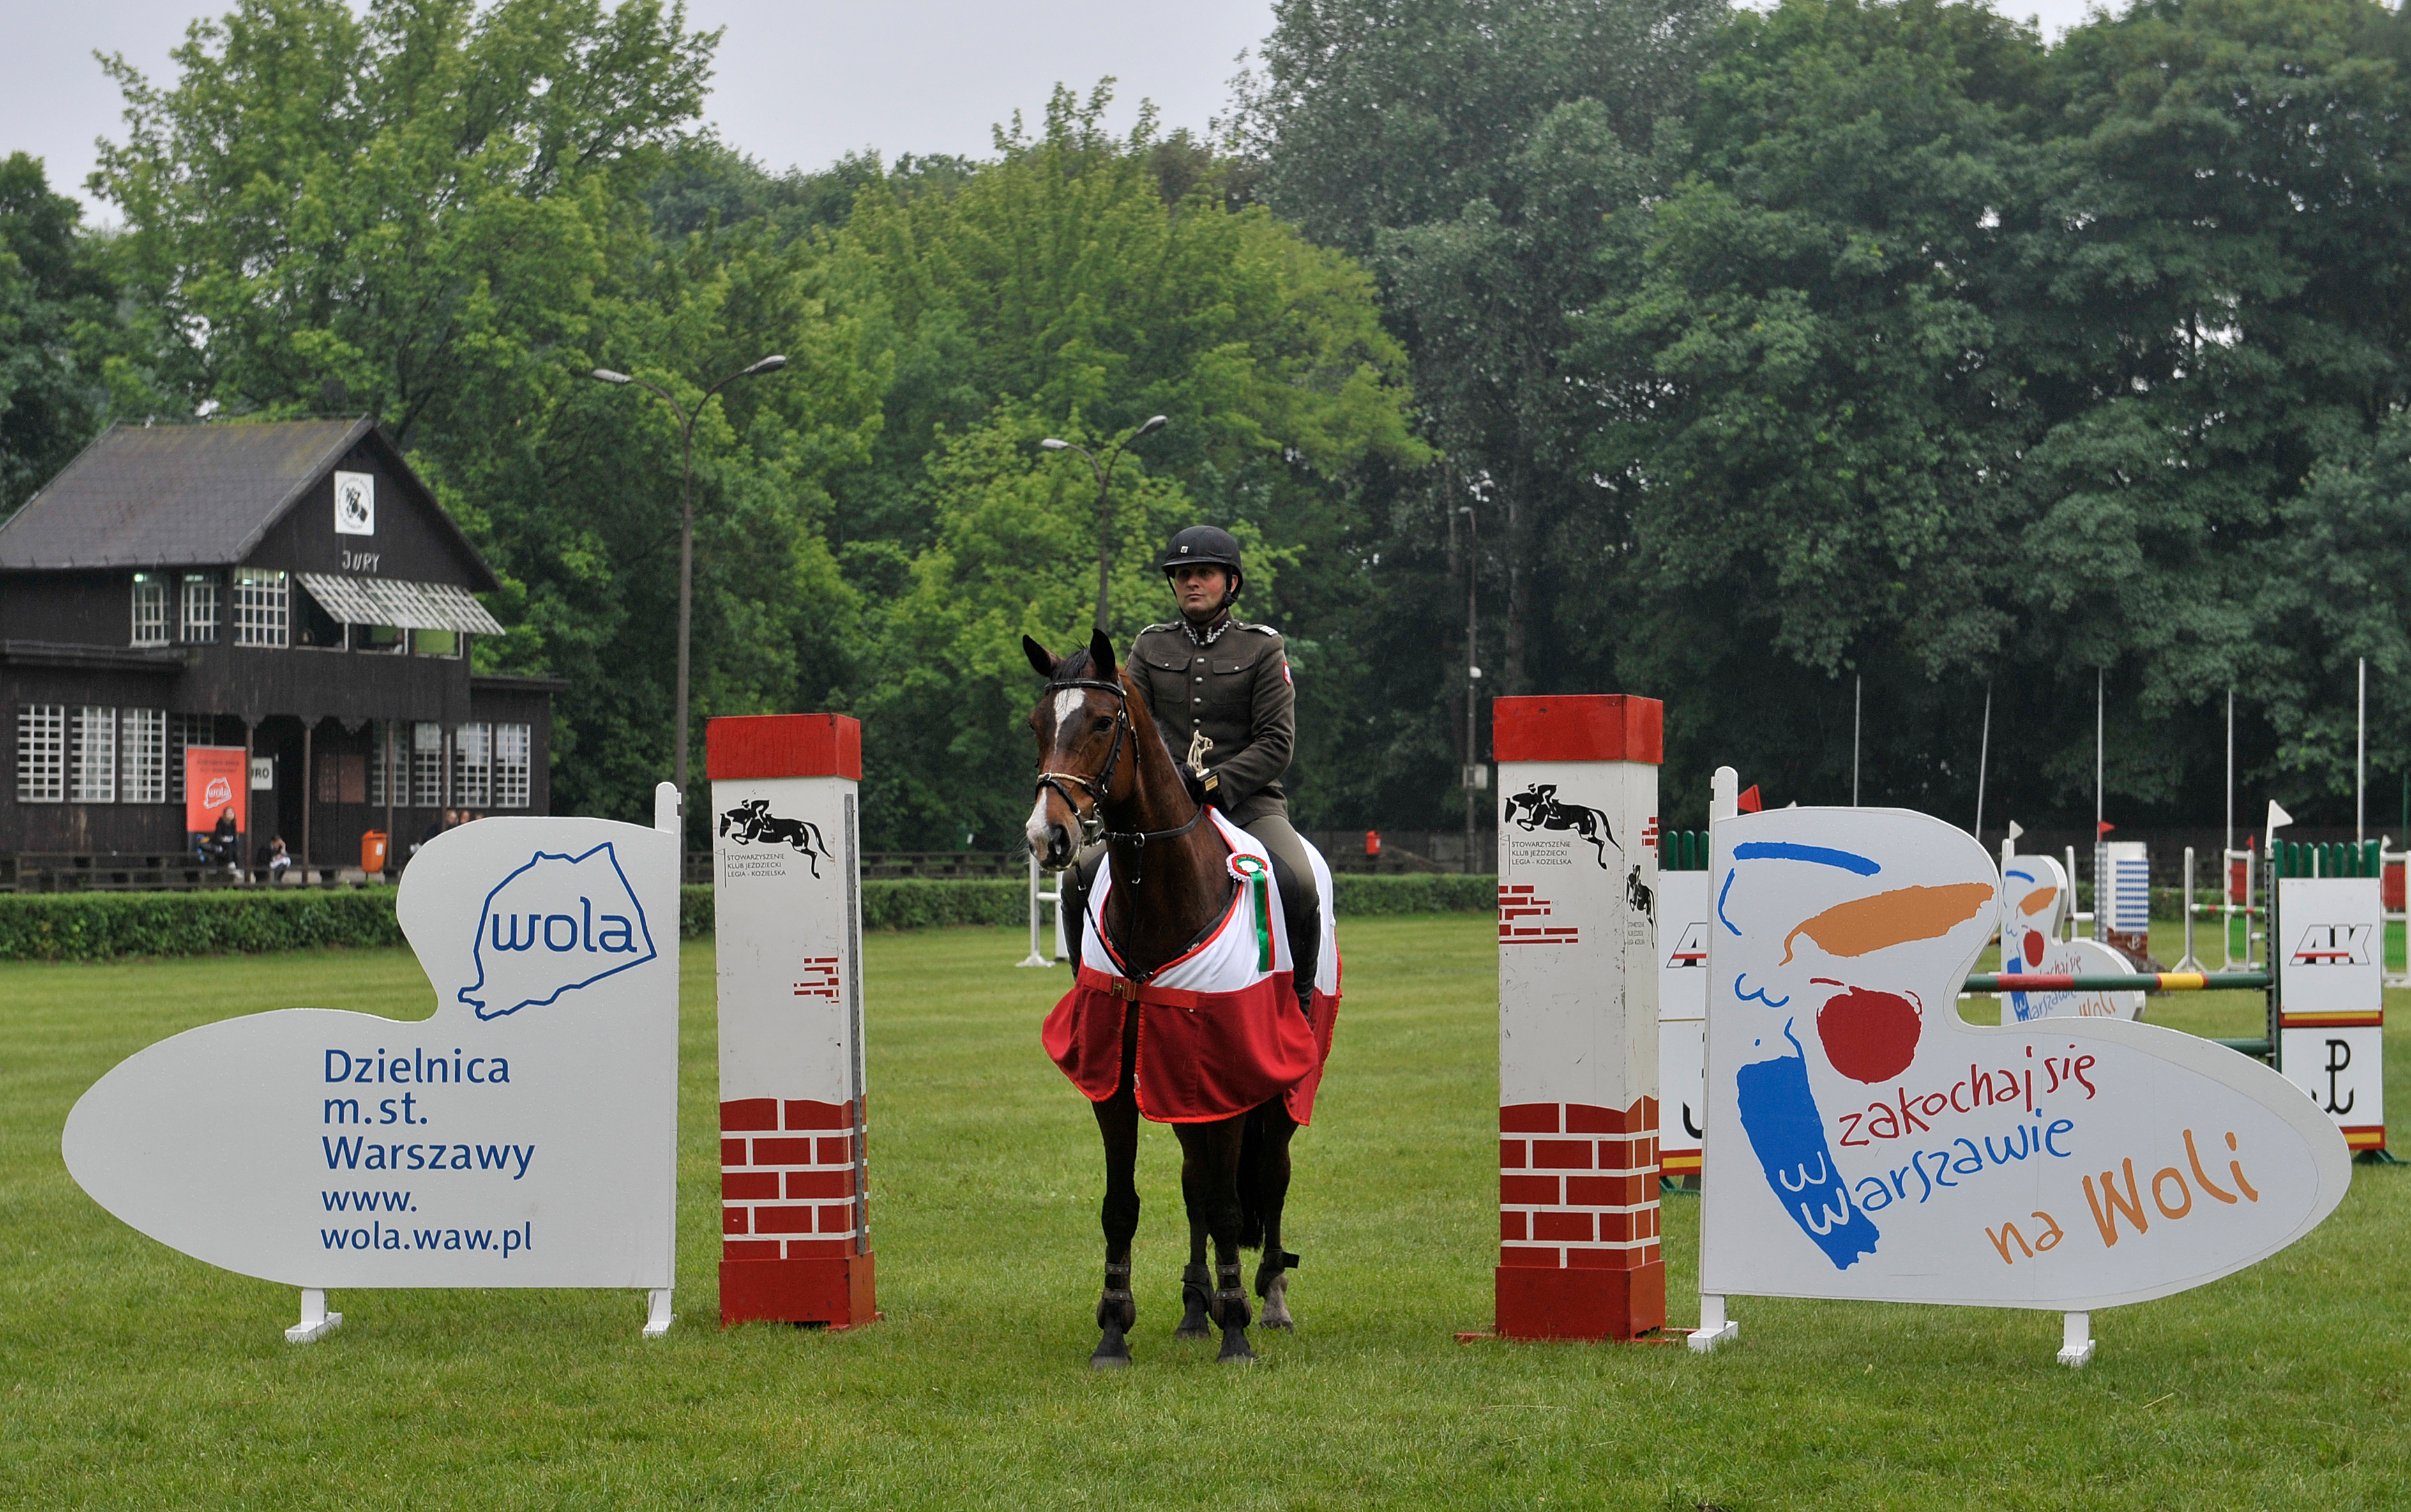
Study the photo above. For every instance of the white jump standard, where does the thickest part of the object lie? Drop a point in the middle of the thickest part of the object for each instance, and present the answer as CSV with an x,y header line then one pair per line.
x,y
1578,1018
786,900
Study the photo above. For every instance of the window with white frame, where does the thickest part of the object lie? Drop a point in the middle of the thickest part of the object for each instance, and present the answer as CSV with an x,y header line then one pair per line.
x,y
95,755
43,753
199,609
184,730
427,766
142,755
263,607
473,754
150,610
512,743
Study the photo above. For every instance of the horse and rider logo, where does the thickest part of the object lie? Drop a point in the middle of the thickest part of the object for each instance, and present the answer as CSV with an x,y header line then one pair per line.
x,y
752,822
1537,807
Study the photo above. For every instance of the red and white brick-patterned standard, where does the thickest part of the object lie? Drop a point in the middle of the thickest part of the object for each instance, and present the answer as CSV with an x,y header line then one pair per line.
x,y
794,1236
790,1180
1578,1186
1578,1247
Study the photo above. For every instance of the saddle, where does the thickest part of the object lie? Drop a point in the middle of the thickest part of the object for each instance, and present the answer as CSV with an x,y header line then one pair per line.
x,y
1302,925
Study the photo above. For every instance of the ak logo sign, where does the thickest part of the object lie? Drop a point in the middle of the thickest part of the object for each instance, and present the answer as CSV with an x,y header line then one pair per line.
x,y
554,925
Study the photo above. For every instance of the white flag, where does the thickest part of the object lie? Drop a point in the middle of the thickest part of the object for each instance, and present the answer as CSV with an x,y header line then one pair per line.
x,y
2015,830
2278,819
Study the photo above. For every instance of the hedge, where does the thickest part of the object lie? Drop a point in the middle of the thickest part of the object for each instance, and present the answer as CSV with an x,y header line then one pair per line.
x,y
105,926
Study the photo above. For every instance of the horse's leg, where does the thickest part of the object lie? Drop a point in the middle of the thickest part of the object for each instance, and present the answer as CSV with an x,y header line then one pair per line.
x,y
1270,1130
1117,1123
1209,1184
1197,1281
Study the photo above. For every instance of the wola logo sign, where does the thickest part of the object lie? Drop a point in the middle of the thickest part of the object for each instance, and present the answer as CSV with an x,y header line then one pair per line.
x,y
557,924
219,793
2333,945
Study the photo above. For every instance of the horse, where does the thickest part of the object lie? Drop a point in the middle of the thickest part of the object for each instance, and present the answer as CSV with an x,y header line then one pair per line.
x,y
1105,772
754,822
1543,810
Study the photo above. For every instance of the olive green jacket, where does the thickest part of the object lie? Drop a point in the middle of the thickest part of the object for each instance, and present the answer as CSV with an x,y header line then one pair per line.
x,y
1237,691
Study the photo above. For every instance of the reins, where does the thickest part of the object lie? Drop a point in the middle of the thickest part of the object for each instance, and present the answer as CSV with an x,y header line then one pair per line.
x,y
1092,821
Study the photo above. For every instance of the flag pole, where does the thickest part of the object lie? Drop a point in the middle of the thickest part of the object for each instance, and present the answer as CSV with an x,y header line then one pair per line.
x,y
1983,755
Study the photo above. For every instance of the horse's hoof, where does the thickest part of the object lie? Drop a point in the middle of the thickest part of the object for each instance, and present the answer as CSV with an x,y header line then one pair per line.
x,y
1197,1330
1113,1352
1274,1289
1234,1348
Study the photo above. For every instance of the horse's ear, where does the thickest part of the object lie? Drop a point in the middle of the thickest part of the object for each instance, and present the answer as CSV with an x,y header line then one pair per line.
x,y
1040,658
1100,654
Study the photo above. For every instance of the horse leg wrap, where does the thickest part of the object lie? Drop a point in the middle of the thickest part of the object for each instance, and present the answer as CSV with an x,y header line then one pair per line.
x,y
1231,1308
1117,1308
1196,1287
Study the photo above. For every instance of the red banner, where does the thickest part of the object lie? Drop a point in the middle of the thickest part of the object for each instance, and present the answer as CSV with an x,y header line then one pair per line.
x,y
217,779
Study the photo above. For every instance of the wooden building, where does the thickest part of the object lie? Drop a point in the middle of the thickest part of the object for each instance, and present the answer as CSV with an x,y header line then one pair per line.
x,y
289,588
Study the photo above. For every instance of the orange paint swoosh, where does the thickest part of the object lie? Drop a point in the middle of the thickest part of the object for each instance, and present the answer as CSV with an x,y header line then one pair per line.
x,y
2037,902
1896,918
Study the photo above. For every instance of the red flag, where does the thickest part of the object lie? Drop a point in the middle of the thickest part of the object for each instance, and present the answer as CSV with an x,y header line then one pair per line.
x,y
2105,826
1750,802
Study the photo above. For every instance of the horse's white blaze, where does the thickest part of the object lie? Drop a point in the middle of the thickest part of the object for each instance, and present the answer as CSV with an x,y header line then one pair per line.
x,y
1066,703
1035,831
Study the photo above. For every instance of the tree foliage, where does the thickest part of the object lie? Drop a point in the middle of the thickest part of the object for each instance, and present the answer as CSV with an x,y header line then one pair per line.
x,y
1848,365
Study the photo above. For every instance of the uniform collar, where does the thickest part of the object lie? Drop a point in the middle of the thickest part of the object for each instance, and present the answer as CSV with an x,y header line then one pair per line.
x,y
1212,633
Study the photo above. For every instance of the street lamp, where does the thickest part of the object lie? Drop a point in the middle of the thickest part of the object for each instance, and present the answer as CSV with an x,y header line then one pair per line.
x,y
1104,472
1472,669
686,523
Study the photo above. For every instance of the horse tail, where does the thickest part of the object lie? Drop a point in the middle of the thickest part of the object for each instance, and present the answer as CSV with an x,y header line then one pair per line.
x,y
1253,1198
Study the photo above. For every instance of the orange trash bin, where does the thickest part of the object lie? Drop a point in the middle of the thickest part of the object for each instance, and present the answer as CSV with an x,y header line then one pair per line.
x,y
372,851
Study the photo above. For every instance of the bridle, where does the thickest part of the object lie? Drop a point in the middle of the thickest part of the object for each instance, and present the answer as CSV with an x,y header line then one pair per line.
x,y
1092,819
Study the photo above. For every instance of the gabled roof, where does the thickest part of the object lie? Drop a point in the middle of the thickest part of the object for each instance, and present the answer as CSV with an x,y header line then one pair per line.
x,y
189,495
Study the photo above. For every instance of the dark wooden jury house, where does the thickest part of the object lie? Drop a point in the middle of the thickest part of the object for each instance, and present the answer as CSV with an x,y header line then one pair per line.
x,y
289,588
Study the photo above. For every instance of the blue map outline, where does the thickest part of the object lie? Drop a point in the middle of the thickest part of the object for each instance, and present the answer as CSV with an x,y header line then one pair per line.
x,y
485,911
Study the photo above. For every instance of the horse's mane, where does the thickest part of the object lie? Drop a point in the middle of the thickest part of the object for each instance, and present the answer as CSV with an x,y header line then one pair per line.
x,y
1071,670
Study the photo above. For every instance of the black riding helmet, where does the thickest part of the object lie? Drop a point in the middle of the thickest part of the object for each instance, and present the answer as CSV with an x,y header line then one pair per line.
x,y
1208,545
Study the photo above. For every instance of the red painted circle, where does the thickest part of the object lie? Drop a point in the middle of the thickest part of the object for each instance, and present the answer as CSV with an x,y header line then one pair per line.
x,y
2034,947
1869,1035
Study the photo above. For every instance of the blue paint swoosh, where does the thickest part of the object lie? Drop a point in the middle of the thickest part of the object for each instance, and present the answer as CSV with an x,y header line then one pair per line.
x,y
1784,850
1720,905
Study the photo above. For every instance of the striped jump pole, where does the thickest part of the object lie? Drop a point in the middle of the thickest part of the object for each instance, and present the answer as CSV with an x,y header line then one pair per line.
x,y
2147,981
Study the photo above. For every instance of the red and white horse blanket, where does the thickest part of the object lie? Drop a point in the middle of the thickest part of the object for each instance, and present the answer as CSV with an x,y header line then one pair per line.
x,y
1219,1030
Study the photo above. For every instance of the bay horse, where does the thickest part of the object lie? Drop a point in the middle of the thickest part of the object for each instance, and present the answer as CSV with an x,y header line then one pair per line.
x,y
1105,772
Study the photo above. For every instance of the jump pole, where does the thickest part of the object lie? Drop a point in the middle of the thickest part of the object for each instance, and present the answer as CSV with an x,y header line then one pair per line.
x,y
1578,1173
786,902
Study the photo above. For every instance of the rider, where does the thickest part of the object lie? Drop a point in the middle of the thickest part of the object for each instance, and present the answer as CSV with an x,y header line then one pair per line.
x,y
1220,692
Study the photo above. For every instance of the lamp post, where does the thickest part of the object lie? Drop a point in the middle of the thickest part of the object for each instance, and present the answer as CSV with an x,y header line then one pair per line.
x,y
1473,667
1104,472
686,523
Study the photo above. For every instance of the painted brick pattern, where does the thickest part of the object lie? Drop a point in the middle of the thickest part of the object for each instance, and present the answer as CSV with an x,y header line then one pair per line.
x,y
1519,902
1578,1186
788,1175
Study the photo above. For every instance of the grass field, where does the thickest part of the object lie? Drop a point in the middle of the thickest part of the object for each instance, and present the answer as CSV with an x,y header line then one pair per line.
x,y
133,1376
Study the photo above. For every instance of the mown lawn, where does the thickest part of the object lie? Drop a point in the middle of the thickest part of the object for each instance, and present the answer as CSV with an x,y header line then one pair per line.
x,y
131,1376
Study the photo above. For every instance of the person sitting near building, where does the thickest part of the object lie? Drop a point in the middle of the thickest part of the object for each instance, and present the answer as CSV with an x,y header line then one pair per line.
x,y
279,858
221,844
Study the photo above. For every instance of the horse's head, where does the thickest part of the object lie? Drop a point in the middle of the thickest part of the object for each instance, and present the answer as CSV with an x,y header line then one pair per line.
x,y
1086,750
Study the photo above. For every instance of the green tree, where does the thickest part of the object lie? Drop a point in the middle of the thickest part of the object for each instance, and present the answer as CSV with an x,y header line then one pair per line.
x,y
1057,291
57,317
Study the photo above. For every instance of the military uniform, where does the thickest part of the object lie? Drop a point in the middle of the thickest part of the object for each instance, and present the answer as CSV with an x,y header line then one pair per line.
x,y
1232,683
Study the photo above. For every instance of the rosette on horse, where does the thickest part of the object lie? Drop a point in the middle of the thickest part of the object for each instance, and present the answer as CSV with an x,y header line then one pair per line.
x,y
1186,1008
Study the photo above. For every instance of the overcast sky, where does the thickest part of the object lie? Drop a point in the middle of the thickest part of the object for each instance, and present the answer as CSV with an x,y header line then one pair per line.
x,y
799,82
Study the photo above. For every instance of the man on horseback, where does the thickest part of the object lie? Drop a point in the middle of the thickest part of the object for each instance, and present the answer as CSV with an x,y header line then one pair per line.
x,y
1220,692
